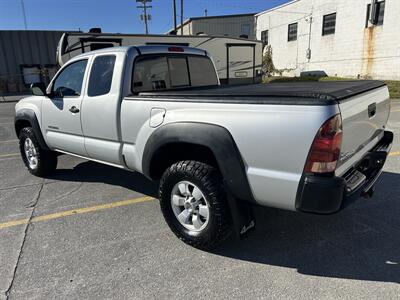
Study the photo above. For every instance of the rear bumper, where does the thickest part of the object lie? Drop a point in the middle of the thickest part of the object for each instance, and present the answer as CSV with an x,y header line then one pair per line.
x,y
327,195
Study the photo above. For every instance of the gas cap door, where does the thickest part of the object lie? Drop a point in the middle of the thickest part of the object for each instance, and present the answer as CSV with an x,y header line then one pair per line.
x,y
157,116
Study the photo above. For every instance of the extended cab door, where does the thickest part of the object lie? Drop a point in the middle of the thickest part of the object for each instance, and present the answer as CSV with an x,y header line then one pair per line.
x,y
101,108
61,119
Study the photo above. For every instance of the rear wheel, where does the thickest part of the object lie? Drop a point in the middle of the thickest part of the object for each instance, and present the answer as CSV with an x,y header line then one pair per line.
x,y
38,161
193,203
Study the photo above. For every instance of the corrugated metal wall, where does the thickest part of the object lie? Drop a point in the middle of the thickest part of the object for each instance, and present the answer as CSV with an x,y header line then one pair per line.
x,y
29,48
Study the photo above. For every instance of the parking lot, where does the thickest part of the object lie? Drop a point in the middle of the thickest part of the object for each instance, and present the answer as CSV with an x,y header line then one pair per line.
x,y
93,231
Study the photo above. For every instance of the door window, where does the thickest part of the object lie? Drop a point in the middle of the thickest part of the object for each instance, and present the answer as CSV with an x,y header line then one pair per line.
x,y
69,82
101,75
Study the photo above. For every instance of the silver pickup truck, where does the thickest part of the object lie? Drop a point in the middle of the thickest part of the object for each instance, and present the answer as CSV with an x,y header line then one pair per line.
x,y
217,150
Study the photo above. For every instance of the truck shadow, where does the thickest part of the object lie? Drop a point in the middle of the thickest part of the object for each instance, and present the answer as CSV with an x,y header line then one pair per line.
x,y
94,172
361,242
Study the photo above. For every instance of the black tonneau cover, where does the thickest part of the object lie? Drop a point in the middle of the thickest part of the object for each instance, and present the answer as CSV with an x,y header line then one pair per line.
x,y
318,92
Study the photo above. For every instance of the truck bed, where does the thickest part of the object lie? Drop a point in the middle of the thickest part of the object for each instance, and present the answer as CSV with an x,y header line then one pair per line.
x,y
314,93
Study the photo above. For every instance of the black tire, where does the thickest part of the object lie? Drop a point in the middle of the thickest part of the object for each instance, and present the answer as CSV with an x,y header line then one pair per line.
x,y
46,160
209,181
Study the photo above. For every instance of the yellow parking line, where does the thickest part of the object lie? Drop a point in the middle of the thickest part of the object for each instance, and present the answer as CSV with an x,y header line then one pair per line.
x,y
396,153
78,211
8,155
396,110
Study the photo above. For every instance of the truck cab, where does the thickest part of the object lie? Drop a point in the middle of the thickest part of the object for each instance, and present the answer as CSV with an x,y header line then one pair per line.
x,y
81,110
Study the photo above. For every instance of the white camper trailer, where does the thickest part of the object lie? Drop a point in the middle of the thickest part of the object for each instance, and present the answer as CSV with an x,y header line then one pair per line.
x,y
237,60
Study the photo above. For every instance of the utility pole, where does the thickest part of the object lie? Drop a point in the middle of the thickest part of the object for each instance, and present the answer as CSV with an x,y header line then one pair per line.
x,y
145,17
175,27
24,14
181,17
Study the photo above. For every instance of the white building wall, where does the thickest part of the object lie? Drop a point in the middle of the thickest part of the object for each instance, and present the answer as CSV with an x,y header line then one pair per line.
x,y
351,52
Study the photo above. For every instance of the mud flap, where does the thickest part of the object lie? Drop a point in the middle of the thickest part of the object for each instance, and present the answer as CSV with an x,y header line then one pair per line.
x,y
242,216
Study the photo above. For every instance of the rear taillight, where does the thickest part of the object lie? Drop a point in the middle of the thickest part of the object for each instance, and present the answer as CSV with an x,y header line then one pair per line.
x,y
325,150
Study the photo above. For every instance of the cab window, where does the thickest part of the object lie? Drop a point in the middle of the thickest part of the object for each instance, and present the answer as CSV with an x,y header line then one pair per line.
x,y
152,73
101,74
69,82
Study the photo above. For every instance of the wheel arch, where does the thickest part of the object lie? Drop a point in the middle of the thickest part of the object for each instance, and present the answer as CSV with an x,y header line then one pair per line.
x,y
27,118
208,143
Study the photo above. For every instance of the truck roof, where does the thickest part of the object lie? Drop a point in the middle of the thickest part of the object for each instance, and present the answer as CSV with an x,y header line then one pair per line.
x,y
148,49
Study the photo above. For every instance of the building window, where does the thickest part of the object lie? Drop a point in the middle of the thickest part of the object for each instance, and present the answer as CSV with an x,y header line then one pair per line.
x,y
264,37
329,24
377,14
292,32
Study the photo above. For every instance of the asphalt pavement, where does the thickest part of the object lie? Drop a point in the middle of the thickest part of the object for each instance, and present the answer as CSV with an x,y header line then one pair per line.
x,y
92,231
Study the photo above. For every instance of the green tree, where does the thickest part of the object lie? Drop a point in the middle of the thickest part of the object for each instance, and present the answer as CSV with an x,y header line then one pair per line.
x,y
267,62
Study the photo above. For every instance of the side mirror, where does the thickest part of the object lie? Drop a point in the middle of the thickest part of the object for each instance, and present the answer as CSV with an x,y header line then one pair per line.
x,y
38,89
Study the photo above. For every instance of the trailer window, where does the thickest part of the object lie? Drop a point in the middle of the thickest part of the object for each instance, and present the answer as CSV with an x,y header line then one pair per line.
x,y
101,75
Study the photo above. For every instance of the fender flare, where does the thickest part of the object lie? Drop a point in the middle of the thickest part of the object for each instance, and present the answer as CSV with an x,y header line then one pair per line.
x,y
28,115
217,138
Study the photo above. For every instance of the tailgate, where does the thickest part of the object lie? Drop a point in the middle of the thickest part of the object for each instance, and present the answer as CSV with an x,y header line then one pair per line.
x,y
364,119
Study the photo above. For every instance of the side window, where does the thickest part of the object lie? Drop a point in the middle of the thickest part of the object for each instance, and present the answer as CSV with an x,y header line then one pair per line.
x,y
69,82
150,74
375,14
101,75
264,37
202,71
178,71
292,32
329,24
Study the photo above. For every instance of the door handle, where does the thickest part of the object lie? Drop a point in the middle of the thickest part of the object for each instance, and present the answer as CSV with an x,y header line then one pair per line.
x,y
74,109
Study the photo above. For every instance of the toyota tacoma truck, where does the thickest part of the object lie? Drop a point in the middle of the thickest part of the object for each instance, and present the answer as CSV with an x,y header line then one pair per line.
x,y
217,151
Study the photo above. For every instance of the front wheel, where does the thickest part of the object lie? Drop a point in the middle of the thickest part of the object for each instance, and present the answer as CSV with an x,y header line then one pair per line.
x,y
193,203
39,162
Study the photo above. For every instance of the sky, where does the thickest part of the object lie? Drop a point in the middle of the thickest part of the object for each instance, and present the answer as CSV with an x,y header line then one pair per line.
x,y
115,15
